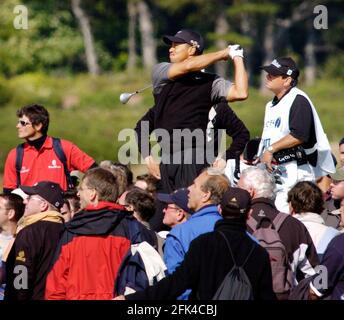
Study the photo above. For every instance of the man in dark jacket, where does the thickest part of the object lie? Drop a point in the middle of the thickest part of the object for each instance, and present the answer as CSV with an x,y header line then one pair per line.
x,y
94,242
208,260
333,263
298,243
38,234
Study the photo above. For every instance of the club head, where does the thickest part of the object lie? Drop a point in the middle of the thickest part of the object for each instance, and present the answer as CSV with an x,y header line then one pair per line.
x,y
125,97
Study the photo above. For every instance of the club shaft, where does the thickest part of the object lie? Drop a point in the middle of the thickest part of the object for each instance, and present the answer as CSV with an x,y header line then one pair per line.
x,y
138,91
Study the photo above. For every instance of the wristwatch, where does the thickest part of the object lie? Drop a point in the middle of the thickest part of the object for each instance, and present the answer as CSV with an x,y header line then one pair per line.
x,y
270,149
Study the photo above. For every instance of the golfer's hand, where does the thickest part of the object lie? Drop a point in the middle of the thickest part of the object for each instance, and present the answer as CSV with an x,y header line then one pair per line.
x,y
219,163
236,50
153,167
267,159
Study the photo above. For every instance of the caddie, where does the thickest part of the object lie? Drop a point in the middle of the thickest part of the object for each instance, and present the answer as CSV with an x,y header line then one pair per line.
x,y
293,138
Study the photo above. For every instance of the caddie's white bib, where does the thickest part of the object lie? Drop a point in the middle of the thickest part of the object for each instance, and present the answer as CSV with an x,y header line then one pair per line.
x,y
276,126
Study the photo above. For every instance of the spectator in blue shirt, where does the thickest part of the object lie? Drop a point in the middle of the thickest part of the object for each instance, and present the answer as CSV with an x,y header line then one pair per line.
x,y
204,195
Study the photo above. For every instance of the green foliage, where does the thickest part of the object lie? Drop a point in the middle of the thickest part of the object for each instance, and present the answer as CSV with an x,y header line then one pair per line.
x,y
333,67
35,87
261,8
328,96
54,44
175,6
6,19
51,40
5,93
232,37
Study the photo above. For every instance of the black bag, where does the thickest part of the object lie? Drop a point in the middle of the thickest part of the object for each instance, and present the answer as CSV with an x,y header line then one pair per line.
x,y
236,285
290,154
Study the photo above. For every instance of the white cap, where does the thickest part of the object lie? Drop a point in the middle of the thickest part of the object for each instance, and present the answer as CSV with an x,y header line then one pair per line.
x,y
19,192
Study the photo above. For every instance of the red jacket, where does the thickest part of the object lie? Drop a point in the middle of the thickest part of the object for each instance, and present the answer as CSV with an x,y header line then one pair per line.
x,y
44,164
90,253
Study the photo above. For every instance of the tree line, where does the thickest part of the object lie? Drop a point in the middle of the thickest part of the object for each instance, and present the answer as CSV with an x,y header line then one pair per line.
x,y
97,36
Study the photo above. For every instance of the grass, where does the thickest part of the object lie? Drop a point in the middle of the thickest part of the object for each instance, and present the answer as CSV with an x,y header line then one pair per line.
x,y
87,111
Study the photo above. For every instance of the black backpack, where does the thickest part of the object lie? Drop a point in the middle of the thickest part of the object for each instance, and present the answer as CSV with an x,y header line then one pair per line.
x,y
236,285
60,154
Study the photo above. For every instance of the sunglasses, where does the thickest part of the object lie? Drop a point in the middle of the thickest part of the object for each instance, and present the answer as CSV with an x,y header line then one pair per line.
x,y
24,123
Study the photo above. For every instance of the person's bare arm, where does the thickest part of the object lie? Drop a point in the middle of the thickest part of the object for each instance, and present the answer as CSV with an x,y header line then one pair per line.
x,y
286,142
196,63
239,89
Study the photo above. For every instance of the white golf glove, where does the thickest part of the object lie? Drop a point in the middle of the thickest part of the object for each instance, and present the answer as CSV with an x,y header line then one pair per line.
x,y
235,50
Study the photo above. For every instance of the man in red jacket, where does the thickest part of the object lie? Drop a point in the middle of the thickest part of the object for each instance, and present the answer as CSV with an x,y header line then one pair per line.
x,y
40,160
94,242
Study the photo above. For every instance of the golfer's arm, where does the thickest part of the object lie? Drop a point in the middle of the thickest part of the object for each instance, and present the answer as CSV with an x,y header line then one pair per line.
x,y
196,63
287,141
239,89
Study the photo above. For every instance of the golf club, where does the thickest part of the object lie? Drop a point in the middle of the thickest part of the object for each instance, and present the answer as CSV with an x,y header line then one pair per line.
x,y
125,96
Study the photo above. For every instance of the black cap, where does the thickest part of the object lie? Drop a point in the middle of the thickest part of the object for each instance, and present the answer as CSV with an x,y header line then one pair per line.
x,y
193,38
251,149
178,197
49,191
283,66
236,199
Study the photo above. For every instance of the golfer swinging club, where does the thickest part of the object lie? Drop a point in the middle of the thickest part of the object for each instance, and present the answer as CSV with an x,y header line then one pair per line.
x,y
183,97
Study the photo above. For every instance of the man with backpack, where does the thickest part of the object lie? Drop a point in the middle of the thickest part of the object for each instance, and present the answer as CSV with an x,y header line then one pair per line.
x,y
225,264
41,157
292,253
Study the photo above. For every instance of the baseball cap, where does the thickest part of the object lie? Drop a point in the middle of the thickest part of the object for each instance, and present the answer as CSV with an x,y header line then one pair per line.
x,y
49,191
282,66
338,175
19,192
193,38
178,197
251,149
236,200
